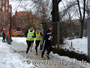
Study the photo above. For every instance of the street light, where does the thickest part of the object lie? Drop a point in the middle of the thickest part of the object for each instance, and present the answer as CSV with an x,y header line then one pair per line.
x,y
89,32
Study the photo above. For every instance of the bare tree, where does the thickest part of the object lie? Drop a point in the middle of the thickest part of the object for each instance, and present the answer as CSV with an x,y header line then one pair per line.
x,y
43,12
82,16
42,9
56,21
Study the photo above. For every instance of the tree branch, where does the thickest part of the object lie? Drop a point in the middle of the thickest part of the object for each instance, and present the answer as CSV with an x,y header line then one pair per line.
x,y
84,2
79,9
58,1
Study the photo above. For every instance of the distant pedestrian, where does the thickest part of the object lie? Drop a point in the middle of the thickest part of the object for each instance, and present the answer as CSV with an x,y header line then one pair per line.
x,y
30,34
9,40
47,45
4,36
38,39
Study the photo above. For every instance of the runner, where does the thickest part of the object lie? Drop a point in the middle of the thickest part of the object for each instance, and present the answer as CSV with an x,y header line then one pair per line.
x,y
30,34
38,39
47,42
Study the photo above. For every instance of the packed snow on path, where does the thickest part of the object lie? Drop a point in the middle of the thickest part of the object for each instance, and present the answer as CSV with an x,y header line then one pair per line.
x,y
8,59
78,45
78,42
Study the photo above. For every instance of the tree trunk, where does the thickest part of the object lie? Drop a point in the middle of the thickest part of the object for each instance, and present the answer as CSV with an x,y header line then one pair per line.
x,y
82,18
56,22
81,34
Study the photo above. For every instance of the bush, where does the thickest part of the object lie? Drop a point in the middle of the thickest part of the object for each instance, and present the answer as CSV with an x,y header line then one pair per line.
x,y
71,54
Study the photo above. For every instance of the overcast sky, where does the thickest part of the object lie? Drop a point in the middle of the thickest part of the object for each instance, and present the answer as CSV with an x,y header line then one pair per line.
x,y
18,6
28,5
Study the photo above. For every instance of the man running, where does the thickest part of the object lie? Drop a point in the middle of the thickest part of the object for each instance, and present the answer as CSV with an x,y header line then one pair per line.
x,y
30,37
38,39
47,45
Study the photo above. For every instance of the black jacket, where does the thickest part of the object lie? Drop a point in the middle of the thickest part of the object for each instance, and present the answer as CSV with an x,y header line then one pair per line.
x,y
3,34
47,35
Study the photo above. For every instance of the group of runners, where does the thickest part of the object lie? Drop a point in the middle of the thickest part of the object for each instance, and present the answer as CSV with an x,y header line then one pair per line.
x,y
32,35
36,35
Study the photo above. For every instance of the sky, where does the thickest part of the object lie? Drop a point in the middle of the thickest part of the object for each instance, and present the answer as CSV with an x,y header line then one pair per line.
x,y
27,5
20,6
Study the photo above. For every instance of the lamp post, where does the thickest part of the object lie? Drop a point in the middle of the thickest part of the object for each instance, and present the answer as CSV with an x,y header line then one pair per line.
x,y
89,33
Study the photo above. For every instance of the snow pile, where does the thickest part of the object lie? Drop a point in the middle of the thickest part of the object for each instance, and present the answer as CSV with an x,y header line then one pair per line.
x,y
9,59
19,39
14,60
78,45
69,61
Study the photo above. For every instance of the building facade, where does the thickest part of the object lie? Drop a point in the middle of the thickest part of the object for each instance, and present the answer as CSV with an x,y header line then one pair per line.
x,y
22,20
5,14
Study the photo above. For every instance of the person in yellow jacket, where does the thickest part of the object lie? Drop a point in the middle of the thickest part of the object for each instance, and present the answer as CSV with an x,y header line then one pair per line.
x,y
38,39
30,34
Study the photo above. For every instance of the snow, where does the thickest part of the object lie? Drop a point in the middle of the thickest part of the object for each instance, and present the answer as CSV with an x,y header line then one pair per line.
x,y
20,40
70,61
78,45
8,59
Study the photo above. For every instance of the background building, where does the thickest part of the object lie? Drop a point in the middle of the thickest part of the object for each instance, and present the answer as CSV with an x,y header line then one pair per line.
x,y
23,19
5,14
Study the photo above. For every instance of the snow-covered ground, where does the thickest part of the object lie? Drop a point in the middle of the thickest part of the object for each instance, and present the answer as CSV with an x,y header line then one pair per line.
x,y
78,45
9,58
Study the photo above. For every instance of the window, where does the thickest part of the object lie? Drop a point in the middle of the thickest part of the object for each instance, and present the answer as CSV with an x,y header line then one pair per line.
x,y
6,3
0,19
0,6
9,9
6,20
3,1
3,9
0,3
6,7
